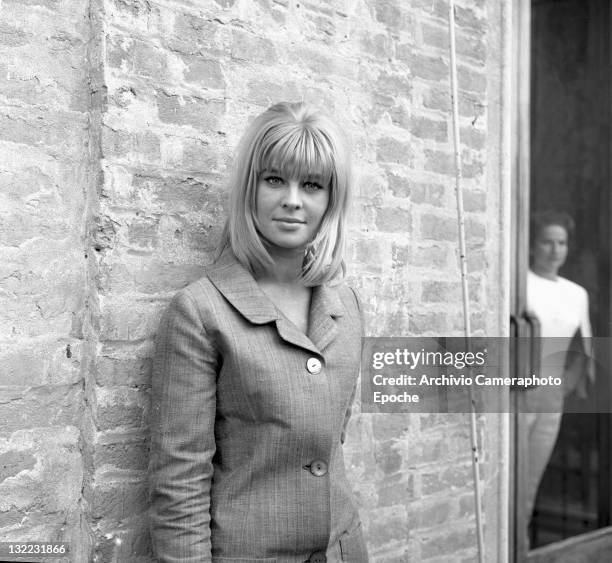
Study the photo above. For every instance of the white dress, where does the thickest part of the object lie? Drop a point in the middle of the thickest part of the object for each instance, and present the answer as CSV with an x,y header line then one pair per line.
x,y
562,307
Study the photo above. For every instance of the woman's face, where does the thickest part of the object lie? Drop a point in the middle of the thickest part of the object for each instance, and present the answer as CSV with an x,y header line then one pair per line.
x,y
550,250
289,210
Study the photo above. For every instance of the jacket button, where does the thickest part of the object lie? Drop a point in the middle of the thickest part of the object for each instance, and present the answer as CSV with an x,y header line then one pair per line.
x,y
313,365
317,557
318,468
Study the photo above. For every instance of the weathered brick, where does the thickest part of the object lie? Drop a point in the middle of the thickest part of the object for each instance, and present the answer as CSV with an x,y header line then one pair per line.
x,y
422,65
248,47
393,14
129,319
440,292
143,232
133,56
430,513
474,201
199,113
393,220
477,260
445,480
12,36
60,132
395,324
44,406
442,420
394,493
131,454
434,227
117,501
37,363
388,524
448,543
265,92
375,46
470,105
393,151
388,458
467,45
400,255
141,8
434,322
193,33
399,186
23,225
440,162
475,230
390,424
426,128
115,371
204,72
432,256
51,4
473,137
121,544
370,253
14,462
471,80
467,17
317,61
162,277
199,156
397,555
131,146
432,194
181,193
53,473
120,407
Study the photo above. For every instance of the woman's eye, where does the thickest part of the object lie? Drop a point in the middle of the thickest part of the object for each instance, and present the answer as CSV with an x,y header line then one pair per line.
x,y
274,180
312,186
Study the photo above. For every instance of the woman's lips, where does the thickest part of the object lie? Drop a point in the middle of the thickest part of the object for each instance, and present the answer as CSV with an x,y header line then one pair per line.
x,y
290,220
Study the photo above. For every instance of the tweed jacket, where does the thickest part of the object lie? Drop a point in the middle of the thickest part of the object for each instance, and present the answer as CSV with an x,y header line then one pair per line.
x,y
248,416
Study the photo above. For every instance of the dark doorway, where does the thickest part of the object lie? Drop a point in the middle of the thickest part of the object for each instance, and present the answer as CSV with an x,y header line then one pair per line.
x,y
570,171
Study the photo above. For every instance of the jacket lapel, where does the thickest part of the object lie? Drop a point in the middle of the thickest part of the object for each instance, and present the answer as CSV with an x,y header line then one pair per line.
x,y
325,306
240,288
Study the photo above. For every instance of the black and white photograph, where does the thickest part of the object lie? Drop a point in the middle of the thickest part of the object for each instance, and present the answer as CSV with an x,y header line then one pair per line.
x,y
305,281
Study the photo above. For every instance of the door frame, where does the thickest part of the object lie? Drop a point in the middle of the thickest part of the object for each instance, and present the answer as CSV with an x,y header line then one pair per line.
x,y
599,541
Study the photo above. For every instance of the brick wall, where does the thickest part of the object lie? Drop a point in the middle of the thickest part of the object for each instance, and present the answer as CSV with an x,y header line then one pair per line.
x,y
44,171
118,122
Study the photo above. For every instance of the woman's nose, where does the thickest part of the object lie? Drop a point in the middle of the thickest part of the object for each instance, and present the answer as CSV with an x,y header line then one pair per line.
x,y
291,196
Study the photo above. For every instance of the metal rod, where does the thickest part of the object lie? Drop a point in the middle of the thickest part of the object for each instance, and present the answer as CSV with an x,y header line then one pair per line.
x,y
464,276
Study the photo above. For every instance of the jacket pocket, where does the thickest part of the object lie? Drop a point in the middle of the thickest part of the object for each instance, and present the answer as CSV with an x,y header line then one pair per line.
x,y
242,560
353,547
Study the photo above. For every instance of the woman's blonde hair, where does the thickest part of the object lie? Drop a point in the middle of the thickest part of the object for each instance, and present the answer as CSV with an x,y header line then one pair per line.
x,y
298,141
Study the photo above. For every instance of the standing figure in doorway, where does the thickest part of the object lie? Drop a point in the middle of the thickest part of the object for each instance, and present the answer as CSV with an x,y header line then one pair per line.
x,y
562,309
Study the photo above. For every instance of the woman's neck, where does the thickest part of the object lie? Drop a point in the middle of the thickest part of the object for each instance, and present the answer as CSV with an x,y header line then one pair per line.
x,y
546,274
287,267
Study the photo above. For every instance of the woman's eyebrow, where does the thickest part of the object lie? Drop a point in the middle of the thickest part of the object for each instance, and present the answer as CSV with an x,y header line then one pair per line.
x,y
315,177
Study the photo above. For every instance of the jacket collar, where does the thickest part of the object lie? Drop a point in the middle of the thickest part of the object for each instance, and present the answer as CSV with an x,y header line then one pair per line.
x,y
240,288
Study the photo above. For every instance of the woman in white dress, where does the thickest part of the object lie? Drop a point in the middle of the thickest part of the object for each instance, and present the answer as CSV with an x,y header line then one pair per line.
x,y
562,308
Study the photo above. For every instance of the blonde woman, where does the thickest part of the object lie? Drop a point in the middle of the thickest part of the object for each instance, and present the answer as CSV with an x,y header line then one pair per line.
x,y
256,365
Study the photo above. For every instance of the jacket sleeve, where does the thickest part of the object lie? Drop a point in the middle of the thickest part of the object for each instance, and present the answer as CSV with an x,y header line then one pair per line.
x,y
349,410
182,435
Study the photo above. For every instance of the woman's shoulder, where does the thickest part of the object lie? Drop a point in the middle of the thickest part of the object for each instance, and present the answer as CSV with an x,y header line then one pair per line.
x,y
198,293
349,296
572,288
